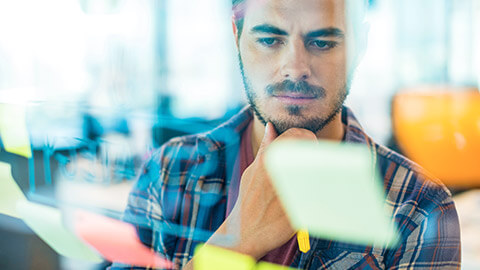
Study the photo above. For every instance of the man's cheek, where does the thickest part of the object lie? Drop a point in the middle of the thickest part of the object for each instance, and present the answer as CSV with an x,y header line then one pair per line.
x,y
259,75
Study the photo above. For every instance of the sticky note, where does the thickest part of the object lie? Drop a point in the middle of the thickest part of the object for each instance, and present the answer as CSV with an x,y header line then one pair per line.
x,y
10,193
13,130
117,241
439,128
271,266
47,223
331,190
208,257
303,240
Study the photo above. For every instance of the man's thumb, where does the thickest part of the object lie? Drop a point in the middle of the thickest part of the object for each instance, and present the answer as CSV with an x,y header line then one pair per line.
x,y
268,137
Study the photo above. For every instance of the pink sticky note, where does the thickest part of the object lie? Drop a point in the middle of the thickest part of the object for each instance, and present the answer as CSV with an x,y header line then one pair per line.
x,y
117,241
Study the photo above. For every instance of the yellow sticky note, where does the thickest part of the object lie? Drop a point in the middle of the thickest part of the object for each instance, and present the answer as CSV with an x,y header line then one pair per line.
x,y
271,266
303,241
209,257
13,130
10,193
47,223
332,190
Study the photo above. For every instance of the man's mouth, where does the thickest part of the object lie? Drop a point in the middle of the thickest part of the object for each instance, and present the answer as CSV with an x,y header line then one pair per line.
x,y
295,98
296,95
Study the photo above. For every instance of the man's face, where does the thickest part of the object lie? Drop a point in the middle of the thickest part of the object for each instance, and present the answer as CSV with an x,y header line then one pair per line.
x,y
293,61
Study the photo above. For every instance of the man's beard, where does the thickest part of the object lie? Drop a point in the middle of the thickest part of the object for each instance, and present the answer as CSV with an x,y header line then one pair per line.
x,y
313,124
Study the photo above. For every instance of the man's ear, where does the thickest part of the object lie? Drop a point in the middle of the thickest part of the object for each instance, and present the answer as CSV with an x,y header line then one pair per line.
x,y
235,30
362,43
358,46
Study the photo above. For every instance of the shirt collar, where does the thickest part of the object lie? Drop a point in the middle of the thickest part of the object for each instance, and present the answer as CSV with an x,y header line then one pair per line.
x,y
354,132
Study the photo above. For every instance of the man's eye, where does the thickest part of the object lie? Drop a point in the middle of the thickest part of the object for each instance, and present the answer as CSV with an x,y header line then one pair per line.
x,y
268,42
322,44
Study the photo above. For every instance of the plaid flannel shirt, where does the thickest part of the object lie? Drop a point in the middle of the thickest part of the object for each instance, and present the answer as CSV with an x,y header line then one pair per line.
x,y
180,200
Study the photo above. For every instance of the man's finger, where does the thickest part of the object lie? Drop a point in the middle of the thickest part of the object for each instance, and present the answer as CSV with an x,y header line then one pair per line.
x,y
298,134
268,137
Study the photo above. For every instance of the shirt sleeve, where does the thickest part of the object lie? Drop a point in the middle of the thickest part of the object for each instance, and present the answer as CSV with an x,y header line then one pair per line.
x,y
144,211
433,242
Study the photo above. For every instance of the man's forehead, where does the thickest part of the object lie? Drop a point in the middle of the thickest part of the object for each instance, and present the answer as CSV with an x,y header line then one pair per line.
x,y
320,12
324,4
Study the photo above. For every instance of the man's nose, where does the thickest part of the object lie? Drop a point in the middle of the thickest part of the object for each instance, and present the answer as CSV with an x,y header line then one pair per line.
x,y
296,64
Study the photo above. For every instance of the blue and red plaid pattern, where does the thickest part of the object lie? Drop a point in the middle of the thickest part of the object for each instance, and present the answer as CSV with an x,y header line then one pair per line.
x,y
180,199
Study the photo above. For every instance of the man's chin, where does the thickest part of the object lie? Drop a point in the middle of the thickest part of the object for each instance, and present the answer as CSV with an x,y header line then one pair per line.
x,y
294,116
297,118
313,125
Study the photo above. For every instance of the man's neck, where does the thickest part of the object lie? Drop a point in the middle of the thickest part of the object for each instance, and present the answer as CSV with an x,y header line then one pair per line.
x,y
333,131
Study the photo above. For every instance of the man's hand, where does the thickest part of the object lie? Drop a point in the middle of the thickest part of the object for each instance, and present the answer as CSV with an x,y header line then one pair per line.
x,y
258,217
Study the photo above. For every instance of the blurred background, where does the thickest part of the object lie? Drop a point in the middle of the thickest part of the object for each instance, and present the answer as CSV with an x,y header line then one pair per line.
x,y
98,84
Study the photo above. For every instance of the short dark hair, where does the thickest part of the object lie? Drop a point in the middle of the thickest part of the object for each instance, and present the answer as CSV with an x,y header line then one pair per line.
x,y
358,21
237,9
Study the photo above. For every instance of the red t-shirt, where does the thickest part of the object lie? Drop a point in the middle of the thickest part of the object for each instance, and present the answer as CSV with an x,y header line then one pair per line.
x,y
284,254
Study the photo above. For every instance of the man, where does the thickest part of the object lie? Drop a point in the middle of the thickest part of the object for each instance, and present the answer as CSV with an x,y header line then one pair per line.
x,y
293,56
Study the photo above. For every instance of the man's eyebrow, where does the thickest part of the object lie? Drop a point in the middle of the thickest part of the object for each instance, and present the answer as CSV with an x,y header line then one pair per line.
x,y
326,32
268,29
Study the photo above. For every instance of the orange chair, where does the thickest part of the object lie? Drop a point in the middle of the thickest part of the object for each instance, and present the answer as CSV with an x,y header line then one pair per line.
x,y
439,128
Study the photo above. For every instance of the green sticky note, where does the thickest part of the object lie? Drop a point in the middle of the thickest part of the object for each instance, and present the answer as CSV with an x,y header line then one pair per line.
x,y
13,130
209,257
47,223
10,193
271,266
331,189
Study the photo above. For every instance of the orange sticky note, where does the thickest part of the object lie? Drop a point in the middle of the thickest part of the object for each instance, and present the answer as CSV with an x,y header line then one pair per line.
x,y
439,128
117,241
303,241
